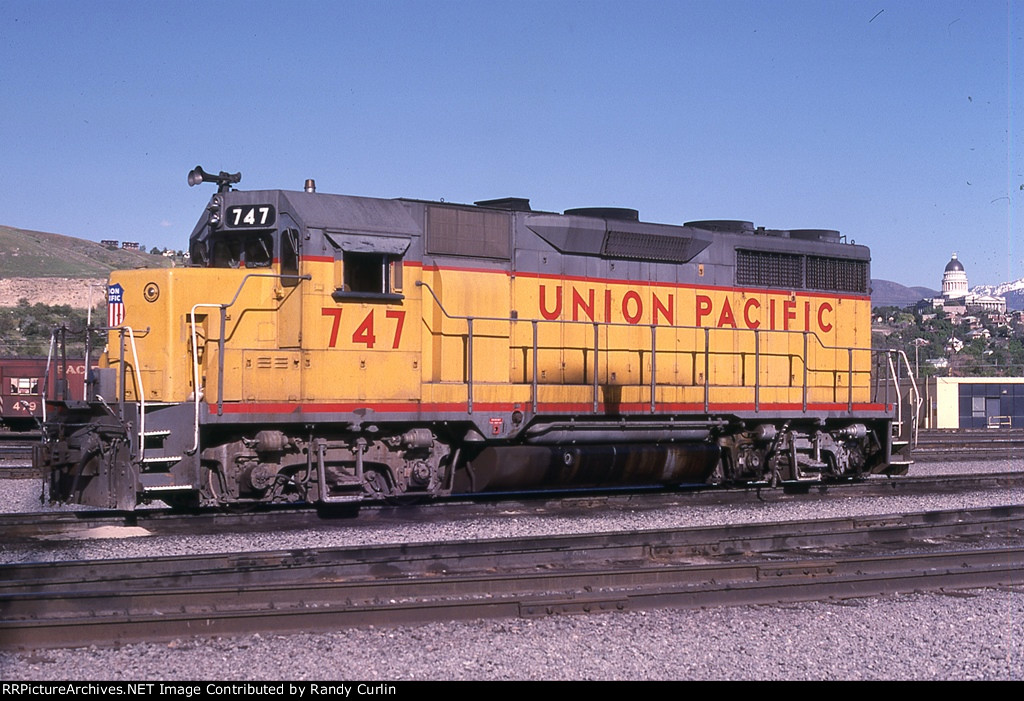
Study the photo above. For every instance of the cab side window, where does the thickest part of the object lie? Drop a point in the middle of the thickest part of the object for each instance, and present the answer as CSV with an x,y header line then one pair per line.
x,y
366,272
290,258
368,267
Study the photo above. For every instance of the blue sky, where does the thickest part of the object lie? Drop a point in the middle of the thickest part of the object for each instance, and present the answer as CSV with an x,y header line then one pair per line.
x,y
897,122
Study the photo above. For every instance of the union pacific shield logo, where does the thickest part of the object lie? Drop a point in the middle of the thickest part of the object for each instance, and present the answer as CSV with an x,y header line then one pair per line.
x,y
115,305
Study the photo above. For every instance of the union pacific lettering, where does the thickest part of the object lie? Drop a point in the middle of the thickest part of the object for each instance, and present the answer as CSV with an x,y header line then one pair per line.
x,y
663,307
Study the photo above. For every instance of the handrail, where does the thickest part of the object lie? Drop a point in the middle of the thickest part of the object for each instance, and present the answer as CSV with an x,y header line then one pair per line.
x,y
63,366
918,401
707,351
140,392
625,324
894,376
915,393
46,372
197,394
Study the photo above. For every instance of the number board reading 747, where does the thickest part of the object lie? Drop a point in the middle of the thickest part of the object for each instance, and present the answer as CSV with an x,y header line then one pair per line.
x,y
250,215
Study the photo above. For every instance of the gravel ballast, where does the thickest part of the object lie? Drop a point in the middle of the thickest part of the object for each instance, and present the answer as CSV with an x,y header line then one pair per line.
x,y
956,635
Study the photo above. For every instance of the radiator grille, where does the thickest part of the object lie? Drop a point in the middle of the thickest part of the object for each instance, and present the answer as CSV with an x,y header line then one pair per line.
x,y
769,269
796,272
837,274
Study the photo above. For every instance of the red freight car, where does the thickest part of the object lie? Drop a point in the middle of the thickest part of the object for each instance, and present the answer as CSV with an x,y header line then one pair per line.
x,y
24,382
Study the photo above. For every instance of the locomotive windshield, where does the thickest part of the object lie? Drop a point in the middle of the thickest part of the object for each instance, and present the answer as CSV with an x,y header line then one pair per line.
x,y
250,250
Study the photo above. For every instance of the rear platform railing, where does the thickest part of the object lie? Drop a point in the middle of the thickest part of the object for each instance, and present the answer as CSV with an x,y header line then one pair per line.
x,y
908,405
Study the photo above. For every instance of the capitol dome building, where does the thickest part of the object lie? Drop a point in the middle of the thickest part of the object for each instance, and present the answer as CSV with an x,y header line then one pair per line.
x,y
955,292
954,279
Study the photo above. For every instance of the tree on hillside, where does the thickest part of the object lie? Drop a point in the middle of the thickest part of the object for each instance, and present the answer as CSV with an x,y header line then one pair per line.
x,y
25,330
999,352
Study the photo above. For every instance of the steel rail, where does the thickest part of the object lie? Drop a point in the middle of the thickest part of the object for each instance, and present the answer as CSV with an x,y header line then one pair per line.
x,y
970,444
662,546
77,618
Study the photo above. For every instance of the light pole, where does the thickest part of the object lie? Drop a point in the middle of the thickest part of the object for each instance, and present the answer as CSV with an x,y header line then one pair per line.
x,y
917,343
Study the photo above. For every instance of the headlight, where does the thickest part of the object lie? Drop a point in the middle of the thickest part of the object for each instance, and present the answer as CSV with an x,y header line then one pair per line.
x,y
214,209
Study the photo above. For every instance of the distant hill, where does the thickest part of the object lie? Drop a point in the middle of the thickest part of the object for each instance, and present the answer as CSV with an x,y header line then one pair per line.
x,y
885,293
1012,292
33,254
54,269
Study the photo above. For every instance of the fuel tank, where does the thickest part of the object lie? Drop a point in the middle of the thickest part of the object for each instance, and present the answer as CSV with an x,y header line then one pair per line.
x,y
511,468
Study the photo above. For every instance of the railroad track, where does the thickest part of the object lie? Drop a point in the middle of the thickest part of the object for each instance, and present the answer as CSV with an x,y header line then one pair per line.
x,y
16,455
969,444
69,604
56,525
17,470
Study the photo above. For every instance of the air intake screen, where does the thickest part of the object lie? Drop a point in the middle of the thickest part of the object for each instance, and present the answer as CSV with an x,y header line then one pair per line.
x,y
837,274
767,269
465,232
795,272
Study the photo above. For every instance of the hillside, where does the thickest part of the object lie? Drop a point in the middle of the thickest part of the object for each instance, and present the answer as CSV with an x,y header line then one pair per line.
x,y
53,291
55,269
885,293
32,254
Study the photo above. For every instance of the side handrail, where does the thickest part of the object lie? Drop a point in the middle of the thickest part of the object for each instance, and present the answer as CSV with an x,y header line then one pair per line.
x,y
850,351
140,392
223,307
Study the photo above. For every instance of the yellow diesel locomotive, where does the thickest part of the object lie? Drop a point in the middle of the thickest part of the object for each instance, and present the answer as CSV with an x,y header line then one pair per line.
x,y
324,348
